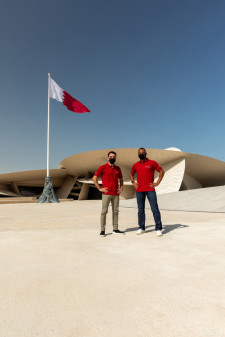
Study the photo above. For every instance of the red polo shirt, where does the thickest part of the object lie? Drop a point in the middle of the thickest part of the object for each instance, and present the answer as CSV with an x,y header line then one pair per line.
x,y
110,175
145,174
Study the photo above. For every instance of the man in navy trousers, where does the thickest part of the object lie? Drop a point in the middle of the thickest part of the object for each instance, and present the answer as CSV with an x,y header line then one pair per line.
x,y
145,186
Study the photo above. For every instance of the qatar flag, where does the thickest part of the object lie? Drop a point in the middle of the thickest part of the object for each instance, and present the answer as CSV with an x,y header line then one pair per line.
x,y
61,95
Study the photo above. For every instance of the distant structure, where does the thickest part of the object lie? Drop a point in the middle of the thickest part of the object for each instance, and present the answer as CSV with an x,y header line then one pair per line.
x,y
183,171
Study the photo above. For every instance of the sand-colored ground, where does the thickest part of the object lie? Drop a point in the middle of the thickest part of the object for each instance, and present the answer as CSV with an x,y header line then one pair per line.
x,y
58,278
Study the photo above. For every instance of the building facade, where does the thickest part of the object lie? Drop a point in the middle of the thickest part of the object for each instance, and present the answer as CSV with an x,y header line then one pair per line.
x,y
73,178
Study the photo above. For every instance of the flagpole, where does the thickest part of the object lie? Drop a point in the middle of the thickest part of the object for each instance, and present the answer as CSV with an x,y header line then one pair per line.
x,y
48,194
48,126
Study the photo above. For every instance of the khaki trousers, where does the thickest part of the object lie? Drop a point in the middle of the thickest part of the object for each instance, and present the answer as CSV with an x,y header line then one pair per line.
x,y
115,210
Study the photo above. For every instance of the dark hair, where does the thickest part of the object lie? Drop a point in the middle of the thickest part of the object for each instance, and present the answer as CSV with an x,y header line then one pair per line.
x,y
111,152
141,148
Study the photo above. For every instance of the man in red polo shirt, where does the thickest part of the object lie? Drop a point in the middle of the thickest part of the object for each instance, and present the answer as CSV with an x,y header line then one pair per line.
x,y
145,186
110,190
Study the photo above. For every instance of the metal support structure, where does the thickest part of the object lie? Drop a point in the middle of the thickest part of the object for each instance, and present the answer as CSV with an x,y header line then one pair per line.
x,y
48,194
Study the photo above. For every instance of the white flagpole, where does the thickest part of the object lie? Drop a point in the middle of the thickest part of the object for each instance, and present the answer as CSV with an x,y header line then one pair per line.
x,y
48,125
48,194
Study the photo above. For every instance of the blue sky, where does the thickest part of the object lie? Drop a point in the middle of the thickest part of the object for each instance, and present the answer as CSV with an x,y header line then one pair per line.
x,y
151,72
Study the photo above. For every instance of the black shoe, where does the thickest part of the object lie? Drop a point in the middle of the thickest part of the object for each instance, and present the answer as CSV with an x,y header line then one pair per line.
x,y
102,233
117,231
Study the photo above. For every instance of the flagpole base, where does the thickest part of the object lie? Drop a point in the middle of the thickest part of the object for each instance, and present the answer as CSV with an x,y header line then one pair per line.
x,y
48,194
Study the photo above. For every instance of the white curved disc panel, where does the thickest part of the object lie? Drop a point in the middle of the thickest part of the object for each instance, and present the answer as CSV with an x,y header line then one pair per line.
x,y
174,173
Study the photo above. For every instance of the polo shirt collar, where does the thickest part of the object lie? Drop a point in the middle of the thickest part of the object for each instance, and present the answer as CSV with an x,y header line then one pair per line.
x,y
110,165
146,160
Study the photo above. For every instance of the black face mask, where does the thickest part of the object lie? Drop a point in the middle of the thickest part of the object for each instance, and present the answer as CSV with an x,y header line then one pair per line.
x,y
142,156
112,160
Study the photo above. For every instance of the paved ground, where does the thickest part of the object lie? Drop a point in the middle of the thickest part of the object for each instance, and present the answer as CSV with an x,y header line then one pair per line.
x,y
58,278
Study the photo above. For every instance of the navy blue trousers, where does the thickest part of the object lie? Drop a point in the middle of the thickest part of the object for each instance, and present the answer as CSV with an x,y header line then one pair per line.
x,y
151,195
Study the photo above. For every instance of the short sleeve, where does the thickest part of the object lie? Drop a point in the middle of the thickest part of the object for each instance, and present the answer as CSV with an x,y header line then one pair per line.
x,y
157,166
99,171
133,170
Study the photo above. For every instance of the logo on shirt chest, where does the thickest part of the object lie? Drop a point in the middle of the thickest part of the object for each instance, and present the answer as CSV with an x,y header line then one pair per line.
x,y
113,173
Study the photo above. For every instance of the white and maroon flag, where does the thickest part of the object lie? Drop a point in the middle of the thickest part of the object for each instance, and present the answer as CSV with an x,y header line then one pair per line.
x,y
61,95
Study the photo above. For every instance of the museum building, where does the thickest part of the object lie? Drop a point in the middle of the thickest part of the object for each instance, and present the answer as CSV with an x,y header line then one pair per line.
x,y
73,178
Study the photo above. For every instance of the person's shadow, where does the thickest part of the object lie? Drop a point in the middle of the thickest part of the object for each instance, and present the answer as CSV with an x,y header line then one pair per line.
x,y
166,228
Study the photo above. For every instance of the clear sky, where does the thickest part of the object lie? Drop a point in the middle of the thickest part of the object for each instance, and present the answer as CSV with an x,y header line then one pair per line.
x,y
151,72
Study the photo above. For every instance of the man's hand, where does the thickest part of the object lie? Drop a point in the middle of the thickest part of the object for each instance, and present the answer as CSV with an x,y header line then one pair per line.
x,y
161,174
103,190
135,185
154,184
120,190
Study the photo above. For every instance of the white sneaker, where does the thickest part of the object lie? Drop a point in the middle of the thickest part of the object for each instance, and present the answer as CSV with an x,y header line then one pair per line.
x,y
159,233
140,231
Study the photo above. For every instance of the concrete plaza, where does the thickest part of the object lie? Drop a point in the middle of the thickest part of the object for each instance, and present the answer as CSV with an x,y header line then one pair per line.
x,y
58,278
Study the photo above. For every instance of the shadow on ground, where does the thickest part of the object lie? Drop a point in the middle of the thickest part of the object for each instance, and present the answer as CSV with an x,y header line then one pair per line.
x,y
169,228
166,229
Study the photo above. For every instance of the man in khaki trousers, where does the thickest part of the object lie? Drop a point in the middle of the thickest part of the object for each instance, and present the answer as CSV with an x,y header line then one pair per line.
x,y
110,190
